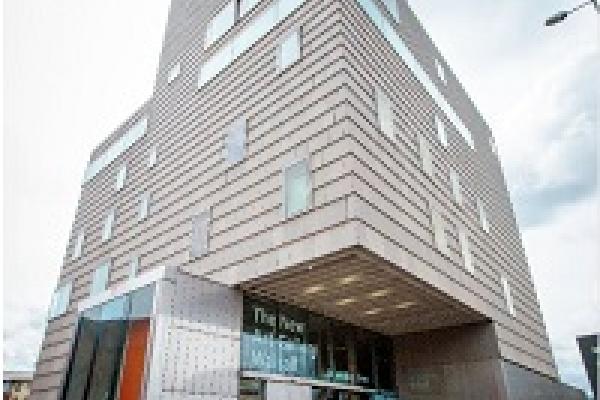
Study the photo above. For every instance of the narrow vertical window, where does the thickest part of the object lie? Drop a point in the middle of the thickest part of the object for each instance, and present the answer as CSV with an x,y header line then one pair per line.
x,y
455,182
483,216
144,206
289,50
235,141
78,247
493,146
439,233
463,238
152,157
441,130
508,296
425,156
60,300
297,188
121,176
385,114
200,233
108,226
100,279
441,71
174,73
134,266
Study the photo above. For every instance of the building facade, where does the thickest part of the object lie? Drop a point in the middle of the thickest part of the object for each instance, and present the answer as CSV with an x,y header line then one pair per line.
x,y
309,206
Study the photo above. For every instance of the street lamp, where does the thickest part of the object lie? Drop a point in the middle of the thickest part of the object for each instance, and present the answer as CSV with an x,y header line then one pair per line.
x,y
560,16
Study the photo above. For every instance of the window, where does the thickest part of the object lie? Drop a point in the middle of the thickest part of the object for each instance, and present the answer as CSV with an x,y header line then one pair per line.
x,y
100,279
289,50
455,182
134,265
144,206
247,5
200,233
108,226
77,249
463,238
441,130
441,71
235,142
483,216
508,296
174,73
125,142
152,157
392,7
493,146
220,24
60,300
121,176
297,188
385,114
439,233
425,156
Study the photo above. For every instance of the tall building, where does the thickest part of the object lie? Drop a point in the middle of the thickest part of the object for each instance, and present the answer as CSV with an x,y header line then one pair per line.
x,y
309,207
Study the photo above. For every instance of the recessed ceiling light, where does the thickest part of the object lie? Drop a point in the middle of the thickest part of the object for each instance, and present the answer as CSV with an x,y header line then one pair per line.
x,y
349,279
380,293
313,289
374,311
406,304
344,302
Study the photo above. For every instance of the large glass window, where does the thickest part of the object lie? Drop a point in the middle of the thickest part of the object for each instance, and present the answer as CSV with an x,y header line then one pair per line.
x,y
220,24
108,225
235,142
385,114
297,188
284,340
200,233
100,279
289,49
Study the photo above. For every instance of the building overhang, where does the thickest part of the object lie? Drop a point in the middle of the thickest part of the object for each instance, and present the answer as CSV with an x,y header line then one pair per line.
x,y
360,288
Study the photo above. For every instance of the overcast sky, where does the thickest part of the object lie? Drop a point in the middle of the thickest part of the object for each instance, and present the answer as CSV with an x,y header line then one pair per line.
x,y
74,70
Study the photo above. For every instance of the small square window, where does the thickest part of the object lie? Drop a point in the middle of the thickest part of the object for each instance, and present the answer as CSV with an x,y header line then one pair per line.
x,y
121,176
455,182
144,206
200,233
508,296
441,71
441,131
439,232
463,238
78,247
385,114
297,188
152,157
134,266
100,279
426,161
235,142
108,226
289,50
483,216
174,73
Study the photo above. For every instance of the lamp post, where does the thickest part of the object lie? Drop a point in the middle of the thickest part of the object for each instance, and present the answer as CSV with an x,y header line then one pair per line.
x,y
560,16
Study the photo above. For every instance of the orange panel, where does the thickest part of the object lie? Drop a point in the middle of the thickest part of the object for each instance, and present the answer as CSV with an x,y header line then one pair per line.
x,y
135,357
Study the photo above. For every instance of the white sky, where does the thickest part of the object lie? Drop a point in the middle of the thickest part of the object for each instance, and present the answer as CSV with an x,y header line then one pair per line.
x,y
74,70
